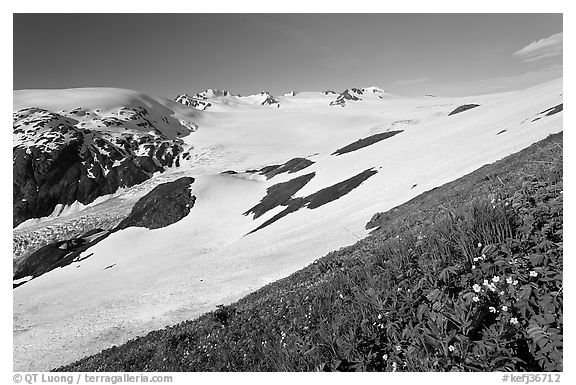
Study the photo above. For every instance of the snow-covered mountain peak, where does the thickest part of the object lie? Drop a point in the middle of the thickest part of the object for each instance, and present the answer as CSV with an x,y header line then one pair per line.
x,y
349,94
373,90
213,93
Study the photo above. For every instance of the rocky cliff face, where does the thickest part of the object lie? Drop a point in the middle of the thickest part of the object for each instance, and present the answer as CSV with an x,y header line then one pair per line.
x,y
60,158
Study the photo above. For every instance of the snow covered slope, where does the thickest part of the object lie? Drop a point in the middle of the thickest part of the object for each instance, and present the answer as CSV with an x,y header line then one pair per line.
x,y
258,216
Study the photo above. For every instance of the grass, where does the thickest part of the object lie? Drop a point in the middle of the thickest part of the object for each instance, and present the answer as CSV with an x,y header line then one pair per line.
x,y
465,277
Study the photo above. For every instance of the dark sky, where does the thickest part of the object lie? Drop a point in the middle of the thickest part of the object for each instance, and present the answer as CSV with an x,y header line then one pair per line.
x,y
166,54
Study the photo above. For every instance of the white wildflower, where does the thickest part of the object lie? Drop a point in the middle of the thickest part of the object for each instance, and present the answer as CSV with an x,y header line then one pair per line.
x,y
509,280
496,279
475,298
492,309
533,273
504,308
513,320
476,288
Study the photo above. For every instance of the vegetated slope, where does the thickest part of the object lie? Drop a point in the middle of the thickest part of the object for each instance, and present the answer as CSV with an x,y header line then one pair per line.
x,y
467,276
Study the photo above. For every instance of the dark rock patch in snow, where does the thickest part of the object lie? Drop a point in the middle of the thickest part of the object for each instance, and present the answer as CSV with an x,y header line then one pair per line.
x,y
549,112
321,197
553,110
361,143
501,132
292,166
164,205
279,194
57,254
462,108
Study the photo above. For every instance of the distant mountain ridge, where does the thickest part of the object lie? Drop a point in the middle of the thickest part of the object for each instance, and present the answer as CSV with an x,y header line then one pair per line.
x,y
206,99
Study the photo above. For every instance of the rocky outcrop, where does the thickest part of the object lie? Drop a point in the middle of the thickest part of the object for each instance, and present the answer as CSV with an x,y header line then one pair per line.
x,y
164,205
281,195
55,255
364,142
61,158
198,103
269,100
291,166
462,108
351,94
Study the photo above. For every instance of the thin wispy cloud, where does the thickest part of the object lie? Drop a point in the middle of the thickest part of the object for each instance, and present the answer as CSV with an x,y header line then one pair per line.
x,y
409,82
507,83
542,49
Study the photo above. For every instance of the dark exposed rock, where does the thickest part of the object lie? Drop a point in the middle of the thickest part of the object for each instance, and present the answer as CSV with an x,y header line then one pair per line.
x,y
291,166
198,102
321,197
58,161
553,110
270,100
463,108
164,205
279,194
550,111
57,254
360,143
347,95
